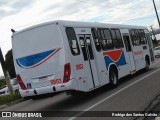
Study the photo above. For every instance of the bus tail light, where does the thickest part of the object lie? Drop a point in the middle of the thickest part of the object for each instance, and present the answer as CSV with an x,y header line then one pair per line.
x,y
67,72
22,85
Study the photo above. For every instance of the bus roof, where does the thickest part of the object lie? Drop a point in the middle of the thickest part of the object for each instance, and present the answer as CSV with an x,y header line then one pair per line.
x,y
100,25
82,24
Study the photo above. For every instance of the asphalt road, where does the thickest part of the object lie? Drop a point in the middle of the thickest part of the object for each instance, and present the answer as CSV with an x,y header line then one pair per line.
x,y
133,94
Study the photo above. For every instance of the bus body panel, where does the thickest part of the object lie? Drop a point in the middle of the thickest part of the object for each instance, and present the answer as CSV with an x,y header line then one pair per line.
x,y
41,53
39,56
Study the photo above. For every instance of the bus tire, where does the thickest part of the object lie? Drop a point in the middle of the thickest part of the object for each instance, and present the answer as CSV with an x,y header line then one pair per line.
x,y
146,65
113,77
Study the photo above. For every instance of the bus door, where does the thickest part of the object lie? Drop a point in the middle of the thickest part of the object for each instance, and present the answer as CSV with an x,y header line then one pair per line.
x,y
89,60
150,44
129,52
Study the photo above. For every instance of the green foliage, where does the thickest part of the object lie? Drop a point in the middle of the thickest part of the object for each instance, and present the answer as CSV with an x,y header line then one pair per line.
x,y
10,64
9,98
2,83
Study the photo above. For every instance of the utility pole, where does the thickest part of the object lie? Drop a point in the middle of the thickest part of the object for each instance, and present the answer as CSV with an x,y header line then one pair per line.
x,y
6,74
153,32
156,13
155,42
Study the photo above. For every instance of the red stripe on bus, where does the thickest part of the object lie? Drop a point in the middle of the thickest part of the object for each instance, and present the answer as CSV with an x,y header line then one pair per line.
x,y
46,59
114,55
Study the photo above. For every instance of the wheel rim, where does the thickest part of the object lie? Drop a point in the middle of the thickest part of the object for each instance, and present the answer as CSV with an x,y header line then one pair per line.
x,y
114,78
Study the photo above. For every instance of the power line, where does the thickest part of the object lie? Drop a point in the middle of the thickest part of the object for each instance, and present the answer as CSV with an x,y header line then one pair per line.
x,y
83,2
127,19
135,19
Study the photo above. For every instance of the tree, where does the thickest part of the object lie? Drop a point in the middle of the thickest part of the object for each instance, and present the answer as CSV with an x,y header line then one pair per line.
x,y
155,42
6,74
10,64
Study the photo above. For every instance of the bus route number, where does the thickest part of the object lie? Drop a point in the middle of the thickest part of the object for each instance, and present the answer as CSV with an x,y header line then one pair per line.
x,y
79,66
56,81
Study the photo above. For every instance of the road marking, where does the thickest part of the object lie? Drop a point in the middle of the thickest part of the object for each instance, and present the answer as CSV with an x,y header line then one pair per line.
x,y
89,108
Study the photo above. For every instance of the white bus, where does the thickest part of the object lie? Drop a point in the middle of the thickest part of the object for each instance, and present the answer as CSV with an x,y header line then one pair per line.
x,y
78,56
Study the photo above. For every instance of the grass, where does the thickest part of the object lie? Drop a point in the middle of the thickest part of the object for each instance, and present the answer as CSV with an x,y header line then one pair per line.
x,y
9,98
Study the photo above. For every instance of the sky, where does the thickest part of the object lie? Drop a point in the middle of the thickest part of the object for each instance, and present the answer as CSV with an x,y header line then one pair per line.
x,y
19,14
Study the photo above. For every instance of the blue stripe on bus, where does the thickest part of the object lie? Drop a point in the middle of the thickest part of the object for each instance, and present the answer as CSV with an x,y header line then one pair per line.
x,y
120,62
29,61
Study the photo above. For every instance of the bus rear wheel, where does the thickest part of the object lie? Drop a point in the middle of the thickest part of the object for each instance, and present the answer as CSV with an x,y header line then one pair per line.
x,y
146,66
113,77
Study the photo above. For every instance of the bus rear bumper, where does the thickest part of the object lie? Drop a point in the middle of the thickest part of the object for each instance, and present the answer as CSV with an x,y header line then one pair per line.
x,y
48,89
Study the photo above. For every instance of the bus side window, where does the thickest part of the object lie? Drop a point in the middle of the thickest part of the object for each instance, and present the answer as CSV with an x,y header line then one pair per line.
x,y
131,32
83,47
105,37
88,42
135,37
72,39
143,38
117,39
96,40
138,38
102,39
108,37
127,43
